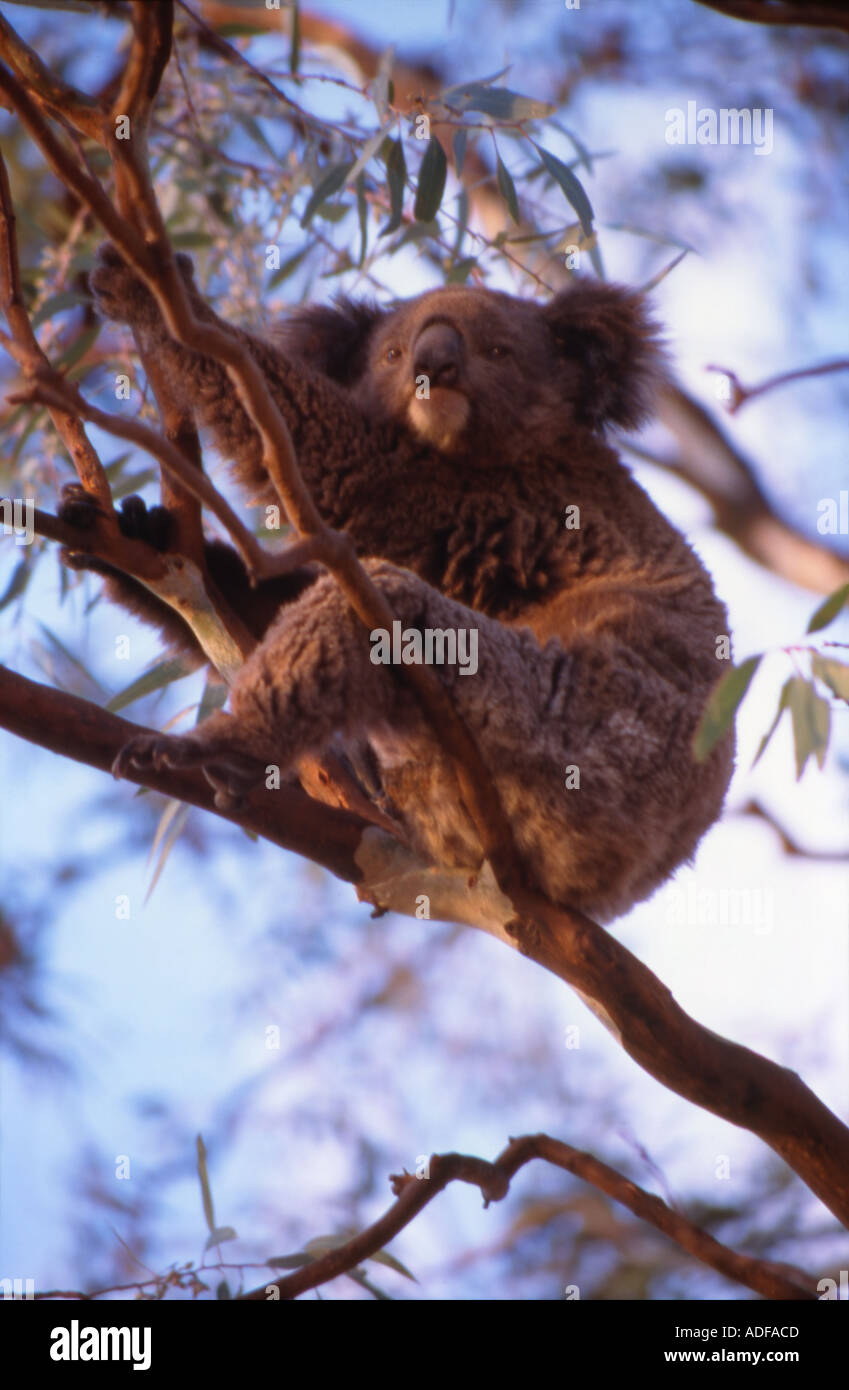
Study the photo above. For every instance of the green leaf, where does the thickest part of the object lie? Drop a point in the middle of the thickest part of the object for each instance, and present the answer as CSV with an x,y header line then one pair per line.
x,y
218,1237
360,1277
378,88
295,50
214,697
334,179
834,674
72,661
579,147
255,132
78,348
290,1261
160,675
431,185
571,186
396,178
382,1257
168,831
21,575
722,706
460,270
362,217
498,102
367,153
287,268
462,223
134,484
783,704
507,188
829,610
192,239
811,723
57,304
320,1245
206,1193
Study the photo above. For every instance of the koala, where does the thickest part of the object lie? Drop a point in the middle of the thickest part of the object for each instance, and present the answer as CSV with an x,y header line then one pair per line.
x,y
458,438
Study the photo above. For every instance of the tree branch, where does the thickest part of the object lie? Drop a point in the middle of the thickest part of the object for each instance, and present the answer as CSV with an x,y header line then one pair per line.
x,y
414,1193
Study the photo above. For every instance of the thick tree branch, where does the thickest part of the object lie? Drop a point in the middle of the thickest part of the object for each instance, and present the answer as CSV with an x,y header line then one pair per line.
x,y
77,729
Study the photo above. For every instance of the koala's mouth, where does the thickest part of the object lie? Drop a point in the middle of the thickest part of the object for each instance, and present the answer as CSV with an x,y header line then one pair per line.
x,y
441,418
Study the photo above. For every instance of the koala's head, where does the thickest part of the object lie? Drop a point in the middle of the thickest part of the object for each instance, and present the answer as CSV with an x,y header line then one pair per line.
x,y
474,371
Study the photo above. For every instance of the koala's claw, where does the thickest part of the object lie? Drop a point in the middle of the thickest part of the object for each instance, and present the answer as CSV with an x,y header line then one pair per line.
x,y
118,291
78,507
156,752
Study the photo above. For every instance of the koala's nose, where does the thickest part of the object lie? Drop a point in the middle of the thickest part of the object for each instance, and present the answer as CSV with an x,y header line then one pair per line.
x,y
438,355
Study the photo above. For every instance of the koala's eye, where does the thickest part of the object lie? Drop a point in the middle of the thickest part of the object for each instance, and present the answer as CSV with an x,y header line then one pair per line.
x,y
392,354
498,351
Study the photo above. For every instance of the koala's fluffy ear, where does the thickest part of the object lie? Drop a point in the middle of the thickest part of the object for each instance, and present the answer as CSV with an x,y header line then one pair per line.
x,y
331,339
607,332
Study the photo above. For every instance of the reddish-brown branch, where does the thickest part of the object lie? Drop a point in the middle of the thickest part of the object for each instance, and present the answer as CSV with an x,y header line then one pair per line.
x,y
58,97
77,729
23,345
414,1193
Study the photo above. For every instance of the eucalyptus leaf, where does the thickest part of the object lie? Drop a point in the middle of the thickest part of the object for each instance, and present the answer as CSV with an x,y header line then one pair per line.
x,y
722,706
834,674
829,610
431,185
571,186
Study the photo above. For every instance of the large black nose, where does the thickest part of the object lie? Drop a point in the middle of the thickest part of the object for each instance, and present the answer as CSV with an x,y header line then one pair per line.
x,y
438,354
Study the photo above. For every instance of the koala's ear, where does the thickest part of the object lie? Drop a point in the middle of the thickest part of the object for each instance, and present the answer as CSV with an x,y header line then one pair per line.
x,y
331,339
607,332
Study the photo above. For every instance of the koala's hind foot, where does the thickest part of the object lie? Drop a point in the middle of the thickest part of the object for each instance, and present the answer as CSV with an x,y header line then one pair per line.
x,y
230,768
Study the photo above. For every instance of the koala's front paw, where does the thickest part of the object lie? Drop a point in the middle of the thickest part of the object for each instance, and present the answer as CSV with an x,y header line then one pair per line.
x,y
119,293
78,507
81,510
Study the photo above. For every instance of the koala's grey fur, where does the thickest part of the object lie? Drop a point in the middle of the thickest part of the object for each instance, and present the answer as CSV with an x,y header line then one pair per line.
x,y
596,644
